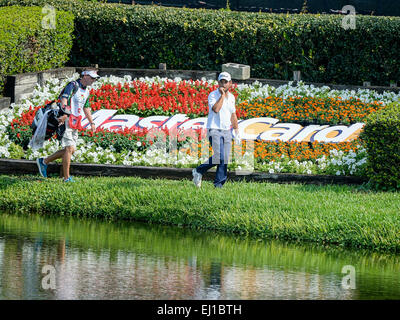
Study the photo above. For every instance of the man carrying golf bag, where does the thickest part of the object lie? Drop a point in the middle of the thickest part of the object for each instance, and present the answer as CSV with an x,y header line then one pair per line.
x,y
75,104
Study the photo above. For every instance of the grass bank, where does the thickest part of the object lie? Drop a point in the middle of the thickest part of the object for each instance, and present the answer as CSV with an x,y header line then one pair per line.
x,y
337,215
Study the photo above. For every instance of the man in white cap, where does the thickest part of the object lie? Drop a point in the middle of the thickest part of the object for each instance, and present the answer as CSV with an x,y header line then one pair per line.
x,y
75,103
221,115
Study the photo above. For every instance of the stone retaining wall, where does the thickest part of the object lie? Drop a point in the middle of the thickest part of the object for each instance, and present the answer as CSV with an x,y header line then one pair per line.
x,y
5,102
18,86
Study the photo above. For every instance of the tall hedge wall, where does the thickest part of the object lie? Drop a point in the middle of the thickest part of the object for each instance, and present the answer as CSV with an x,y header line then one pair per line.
x,y
116,35
25,46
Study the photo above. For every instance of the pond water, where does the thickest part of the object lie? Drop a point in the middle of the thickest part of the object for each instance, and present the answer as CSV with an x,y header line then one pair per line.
x,y
92,259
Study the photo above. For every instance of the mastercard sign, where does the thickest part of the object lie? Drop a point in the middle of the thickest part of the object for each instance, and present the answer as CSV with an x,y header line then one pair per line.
x,y
266,129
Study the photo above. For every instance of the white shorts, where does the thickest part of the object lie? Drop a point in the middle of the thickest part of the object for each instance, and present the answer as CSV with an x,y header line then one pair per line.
x,y
70,136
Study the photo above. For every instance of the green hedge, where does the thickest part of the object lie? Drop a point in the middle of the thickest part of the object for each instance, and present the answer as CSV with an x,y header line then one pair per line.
x,y
117,35
25,46
382,139
385,7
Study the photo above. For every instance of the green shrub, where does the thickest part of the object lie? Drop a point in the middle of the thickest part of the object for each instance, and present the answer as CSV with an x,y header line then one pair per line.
x,y
20,135
382,139
16,151
126,36
25,46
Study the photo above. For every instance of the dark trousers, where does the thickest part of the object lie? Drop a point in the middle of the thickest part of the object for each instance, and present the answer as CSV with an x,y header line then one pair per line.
x,y
221,142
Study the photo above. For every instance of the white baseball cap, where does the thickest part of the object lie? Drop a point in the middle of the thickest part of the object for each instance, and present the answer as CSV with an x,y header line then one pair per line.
x,y
91,73
224,75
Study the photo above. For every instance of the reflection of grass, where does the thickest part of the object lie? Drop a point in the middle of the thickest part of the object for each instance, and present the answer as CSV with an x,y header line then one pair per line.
x,y
335,215
157,239
375,270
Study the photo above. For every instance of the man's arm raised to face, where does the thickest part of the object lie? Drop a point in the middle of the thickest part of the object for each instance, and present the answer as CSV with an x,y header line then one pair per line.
x,y
218,105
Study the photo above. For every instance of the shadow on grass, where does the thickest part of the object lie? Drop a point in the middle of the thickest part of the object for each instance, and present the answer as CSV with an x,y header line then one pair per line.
x,y
136,182
7,181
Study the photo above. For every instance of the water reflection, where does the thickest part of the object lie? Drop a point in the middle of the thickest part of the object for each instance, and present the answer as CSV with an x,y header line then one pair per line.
x,y
101,260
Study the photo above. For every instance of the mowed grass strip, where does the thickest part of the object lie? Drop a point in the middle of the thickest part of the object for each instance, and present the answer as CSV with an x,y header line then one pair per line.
x,y
332,214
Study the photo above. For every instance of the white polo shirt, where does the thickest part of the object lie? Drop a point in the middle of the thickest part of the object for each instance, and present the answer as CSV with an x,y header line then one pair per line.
x,y
79,100
222,119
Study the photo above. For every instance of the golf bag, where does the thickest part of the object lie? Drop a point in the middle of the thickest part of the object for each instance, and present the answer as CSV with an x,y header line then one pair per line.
x,y
45,124
50,114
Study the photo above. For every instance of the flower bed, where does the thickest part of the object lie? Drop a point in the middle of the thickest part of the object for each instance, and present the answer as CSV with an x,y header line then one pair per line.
x,y
156,96
146,99
306,110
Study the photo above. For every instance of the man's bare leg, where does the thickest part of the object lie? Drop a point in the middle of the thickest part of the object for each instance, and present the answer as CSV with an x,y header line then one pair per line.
x,y
56,155
66,160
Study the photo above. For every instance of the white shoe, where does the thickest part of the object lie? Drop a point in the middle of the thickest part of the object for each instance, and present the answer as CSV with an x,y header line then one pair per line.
x,y
197,178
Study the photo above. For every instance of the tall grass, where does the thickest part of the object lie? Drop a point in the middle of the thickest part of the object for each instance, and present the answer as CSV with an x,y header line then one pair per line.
x,y
336,215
